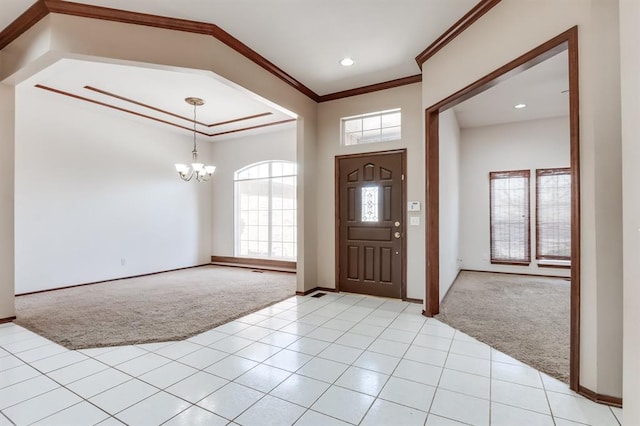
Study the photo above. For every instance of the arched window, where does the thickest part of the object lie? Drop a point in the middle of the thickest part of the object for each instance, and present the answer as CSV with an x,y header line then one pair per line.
x,y
265,210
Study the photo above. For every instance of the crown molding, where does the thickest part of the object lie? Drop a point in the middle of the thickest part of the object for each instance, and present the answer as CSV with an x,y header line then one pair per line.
x,y
42,8
456,29
28,19
371,88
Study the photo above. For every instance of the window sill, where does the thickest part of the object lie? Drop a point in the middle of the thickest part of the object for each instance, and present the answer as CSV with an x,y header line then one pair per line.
x,y
554,265
509,262
255,263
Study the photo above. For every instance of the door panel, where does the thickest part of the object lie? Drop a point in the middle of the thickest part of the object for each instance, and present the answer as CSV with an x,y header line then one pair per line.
x,y
370,226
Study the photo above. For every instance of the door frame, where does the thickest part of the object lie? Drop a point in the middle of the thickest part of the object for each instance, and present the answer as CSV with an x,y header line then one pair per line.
x,y
568,40
403,229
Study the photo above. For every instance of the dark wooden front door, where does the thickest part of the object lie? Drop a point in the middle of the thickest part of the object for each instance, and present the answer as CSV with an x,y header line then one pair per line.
x,y
371,224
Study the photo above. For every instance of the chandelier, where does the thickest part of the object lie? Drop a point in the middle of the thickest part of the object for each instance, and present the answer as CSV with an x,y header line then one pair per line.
x,y
198,170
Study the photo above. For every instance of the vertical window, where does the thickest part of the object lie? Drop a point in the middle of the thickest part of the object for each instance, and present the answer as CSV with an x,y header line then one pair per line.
x,y
553,214
509,216
265,210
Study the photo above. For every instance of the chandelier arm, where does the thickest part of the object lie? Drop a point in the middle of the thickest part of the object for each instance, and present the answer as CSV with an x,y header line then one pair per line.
x,y
186,177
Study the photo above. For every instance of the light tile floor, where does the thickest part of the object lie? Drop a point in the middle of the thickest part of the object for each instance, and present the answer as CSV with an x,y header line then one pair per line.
x,y
336,360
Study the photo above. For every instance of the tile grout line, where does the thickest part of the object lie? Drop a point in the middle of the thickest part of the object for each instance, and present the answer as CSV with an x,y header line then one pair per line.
x,y
440,378
61,386
394,369
544,387
490,383
317,309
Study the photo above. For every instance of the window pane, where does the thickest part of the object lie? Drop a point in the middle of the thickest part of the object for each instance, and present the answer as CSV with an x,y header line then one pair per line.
x,y
289,217
276,233
263,217
391,120
263,249
289,250
352,138
289,203
265,198
289,169
288,234
553,214
353,125
509,204
276,168
370,204
390,133
263,233
244,248
253,218
370,123
369,128
276,217
252,234
263,202
263,170
253,248
244,200
276,203
253,200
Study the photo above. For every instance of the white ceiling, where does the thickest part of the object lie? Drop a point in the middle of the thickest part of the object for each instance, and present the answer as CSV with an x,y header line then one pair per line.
x,y
307,38
11,9
162,89
540,88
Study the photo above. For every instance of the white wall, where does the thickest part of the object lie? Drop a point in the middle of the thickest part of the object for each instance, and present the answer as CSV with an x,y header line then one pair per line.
x,y
65,36
510,29
7,117
526,145
630,72
94,187
329,113
231,155
449,153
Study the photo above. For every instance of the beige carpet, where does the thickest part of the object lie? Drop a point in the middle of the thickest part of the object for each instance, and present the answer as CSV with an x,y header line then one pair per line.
x,y
168,306
525,317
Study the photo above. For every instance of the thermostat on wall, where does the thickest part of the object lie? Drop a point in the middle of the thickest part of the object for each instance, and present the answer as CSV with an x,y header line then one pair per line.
x,y
413,206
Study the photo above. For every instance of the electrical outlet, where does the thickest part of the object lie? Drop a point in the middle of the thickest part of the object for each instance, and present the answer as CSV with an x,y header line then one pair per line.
x,y
485,256
123,261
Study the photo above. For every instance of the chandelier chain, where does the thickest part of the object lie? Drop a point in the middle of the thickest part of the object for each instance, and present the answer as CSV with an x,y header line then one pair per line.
x,y
197,170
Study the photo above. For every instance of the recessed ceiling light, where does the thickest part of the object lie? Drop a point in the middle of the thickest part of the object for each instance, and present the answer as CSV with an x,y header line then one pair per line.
x,y
347,62
520,106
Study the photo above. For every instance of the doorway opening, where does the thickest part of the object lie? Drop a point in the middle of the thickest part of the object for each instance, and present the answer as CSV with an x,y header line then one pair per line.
x,y
566,41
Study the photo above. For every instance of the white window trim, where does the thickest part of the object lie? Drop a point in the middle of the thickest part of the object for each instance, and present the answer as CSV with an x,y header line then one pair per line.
x,y
237,241
343,120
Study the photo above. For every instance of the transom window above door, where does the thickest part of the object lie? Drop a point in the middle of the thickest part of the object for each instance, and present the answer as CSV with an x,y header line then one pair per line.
x,y
265,210
374,127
